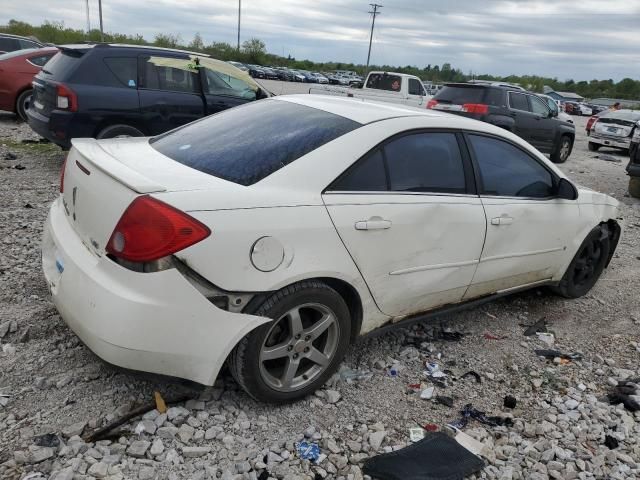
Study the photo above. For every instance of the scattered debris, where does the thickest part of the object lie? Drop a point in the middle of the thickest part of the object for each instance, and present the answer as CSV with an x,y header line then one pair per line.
x,y
548,338
416,434
10,156
446,401
473,374
468,412
427,393
431,427
433,370
628,393
19,167
611,442
552,354
539,327
437,456
608,158
47,440
491,336
350,376
308,451
161,406
510,401
467,441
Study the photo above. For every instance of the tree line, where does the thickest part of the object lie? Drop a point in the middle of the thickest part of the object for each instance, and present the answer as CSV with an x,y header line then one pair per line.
x,y
254,51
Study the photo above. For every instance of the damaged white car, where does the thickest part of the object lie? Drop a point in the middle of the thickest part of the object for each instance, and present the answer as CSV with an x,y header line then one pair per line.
x,y
272,235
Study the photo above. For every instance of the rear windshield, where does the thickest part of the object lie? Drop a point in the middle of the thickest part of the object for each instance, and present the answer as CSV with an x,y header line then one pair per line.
x,y
248,143
383,81
460,95
61,65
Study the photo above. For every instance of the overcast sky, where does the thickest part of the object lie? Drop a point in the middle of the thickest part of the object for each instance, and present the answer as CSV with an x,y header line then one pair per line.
x,y
579,39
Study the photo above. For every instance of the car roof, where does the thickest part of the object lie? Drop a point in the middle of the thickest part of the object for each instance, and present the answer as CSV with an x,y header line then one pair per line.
x,y
623,114
360,110
27,52
10,35
485,84
87,46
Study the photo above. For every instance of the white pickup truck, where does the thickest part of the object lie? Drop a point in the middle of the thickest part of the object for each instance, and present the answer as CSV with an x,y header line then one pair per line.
x,y
388,87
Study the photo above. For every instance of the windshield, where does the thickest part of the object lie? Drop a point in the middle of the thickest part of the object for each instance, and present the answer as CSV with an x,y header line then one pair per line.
x,y
248,143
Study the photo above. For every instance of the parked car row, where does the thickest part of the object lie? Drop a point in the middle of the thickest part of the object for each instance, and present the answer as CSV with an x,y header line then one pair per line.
x,y
292,75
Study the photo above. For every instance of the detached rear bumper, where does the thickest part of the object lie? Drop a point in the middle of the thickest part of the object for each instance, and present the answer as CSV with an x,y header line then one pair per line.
x,y
154,322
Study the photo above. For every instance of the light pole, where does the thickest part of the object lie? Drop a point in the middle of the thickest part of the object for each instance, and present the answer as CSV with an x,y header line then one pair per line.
x,y
239,12
373,24
88,21
100,11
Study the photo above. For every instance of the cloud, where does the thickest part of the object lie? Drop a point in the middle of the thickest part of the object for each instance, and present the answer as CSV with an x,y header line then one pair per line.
x,y
579,39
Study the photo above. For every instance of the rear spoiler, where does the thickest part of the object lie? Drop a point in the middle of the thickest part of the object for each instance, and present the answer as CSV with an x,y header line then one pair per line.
x,y
91,150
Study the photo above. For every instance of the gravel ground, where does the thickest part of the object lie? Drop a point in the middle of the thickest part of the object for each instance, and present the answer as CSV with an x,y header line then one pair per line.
x,y
52,384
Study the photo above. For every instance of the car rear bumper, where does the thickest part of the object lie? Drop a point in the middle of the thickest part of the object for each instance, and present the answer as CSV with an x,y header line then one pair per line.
x,y
153,322
616,142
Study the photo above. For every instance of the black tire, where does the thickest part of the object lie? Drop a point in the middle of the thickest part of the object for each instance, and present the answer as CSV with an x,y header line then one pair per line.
x,y
244,361
587,265
22,104
593,147
634,187
562,150
114,131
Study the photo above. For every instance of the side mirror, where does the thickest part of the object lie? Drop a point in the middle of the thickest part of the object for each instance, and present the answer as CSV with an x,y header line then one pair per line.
x,y
566,190
552,113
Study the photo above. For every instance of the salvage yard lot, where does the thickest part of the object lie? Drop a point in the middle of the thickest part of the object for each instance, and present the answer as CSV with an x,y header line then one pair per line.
x,y
51,380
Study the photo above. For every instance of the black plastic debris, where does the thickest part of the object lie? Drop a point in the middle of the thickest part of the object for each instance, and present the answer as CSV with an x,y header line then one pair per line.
x,y
47,440
608,158
10,156
28,205
19,167
446,401
539,327
610,442
436,457
624,393
551,354
473,374
468,413
510,401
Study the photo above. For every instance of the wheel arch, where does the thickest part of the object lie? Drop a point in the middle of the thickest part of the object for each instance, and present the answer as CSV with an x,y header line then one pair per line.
x,y
18,93
109,121
616,231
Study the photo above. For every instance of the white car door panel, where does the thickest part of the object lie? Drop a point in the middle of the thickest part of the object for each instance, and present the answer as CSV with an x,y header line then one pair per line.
x,y
419,252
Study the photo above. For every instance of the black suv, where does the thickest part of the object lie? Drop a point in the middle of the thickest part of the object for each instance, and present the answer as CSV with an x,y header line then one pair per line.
x,y
110,90
513,109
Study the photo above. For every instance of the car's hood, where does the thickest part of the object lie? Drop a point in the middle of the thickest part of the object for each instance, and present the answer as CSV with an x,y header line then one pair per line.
x,y
587,195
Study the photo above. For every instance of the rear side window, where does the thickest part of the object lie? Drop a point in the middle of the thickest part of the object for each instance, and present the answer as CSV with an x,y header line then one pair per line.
x,y
125,69
160,77
518,101
425,162
41,60
246,144
28,44
367,175
62,64
9,44
507,171
383,81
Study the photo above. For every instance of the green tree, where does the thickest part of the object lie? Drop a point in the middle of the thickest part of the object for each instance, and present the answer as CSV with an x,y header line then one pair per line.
x,y
196,43
167,40
254,49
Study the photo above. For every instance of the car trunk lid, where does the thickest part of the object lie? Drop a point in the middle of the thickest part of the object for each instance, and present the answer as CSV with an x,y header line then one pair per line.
x,y
614,127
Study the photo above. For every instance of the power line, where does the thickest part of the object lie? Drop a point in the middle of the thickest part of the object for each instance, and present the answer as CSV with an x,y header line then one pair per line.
x,y
373,23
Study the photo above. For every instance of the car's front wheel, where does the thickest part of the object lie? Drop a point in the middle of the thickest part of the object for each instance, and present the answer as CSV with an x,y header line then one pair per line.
x,y
22,104
587,265
297,352
563,150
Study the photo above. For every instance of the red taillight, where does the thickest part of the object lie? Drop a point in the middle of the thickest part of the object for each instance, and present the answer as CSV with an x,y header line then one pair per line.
x,y
150,229
66,99
477,108
64,166
591,123
432,103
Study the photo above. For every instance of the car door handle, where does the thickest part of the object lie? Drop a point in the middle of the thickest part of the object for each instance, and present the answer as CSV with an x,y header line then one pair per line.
x,y
501,221
374,223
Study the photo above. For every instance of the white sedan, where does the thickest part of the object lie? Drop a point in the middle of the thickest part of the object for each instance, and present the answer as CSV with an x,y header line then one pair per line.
x,y
272,235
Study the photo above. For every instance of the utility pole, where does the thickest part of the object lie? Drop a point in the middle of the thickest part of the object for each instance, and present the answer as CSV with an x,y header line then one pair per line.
x,y
239,12
88,21
100,12
373,23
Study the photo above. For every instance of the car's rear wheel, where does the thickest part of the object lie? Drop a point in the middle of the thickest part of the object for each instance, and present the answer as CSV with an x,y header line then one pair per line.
x,y
563,150
587,265
119,131
634,187
297,352
593,147
22,104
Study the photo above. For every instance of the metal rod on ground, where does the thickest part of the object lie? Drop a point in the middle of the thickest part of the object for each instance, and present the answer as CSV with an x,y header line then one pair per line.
x,y
239,11
100,11
88,20
373,23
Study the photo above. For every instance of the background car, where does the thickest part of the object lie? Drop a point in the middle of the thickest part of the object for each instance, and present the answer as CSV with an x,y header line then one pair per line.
x,y
256,71
614,129
111,90
17,70
555,108
521,112
273,235
633,167
593,119
239,65
11,43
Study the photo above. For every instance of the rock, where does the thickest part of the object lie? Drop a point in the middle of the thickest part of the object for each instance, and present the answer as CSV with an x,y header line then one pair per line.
x,y
571,404
175,413
8,349
4,329
40,382
74,429
64,381
376,438
146,473
333,396
333,446
194,452
146,426
98,470
40,454
157,447
185,433
168,433
138,448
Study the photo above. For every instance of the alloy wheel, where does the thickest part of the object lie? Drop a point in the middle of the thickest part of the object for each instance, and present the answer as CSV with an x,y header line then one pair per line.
x,y
587,262
299,346
565,149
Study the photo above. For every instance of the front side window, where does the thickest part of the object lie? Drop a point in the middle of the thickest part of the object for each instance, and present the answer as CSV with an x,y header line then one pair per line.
x,y
415,88
248,143
518,101
538,107
219,83
507,171
384,81
160,75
